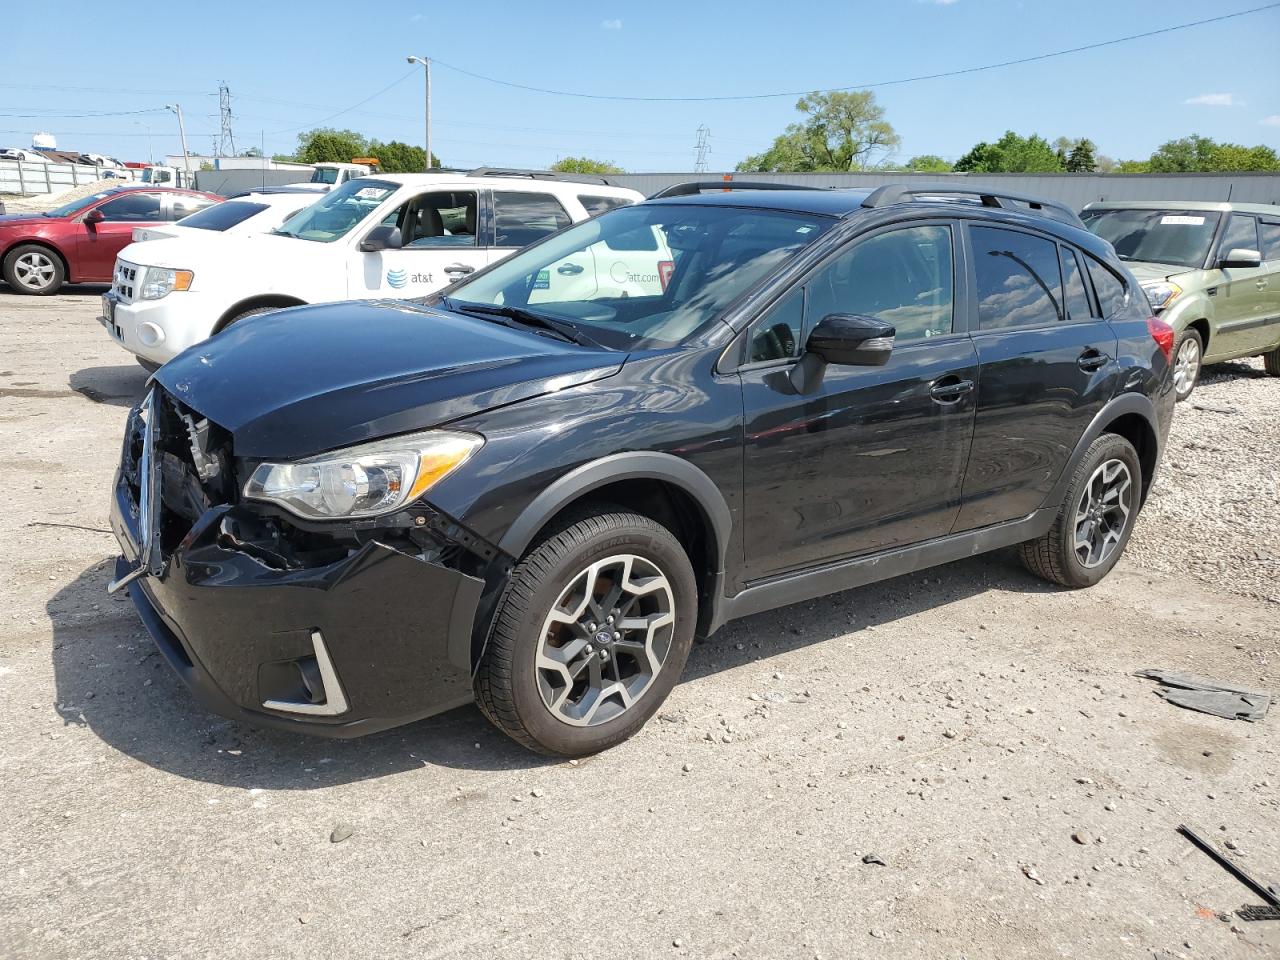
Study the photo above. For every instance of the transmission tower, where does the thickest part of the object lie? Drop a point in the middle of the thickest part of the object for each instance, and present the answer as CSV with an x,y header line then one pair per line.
x,y
226,139
702,149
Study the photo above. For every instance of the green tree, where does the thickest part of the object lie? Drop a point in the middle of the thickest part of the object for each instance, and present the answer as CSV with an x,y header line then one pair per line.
x,y
1011,154
397,157
1132,166
585,165
327,145
1197,154
1082,158
927,163
840,131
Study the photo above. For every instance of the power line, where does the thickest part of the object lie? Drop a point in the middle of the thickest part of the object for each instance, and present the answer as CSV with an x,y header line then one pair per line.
x,y
332,116
863,86
47,115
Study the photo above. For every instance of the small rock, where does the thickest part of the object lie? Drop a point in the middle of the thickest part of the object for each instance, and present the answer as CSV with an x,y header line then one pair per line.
x,y
871,858
688,767
535,793
1110,807
1030,873
677,943
1082,837
949,734
304,918
877,933
341,832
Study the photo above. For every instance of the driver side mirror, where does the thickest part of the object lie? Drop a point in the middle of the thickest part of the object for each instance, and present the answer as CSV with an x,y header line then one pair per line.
x,y
852,340
381,237
1240,257
94,217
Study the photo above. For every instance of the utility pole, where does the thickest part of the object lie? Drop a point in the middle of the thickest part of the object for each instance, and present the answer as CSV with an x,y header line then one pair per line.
x,y
226,139
426,67
182,132
151,157
702,148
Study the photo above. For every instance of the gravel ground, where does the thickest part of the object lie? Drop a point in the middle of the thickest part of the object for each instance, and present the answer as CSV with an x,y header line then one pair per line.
x,y
1214,513
44,201
956,764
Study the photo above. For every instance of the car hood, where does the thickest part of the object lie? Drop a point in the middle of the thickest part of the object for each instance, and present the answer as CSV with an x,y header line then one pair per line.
x,y
21,219
181,248
1156,271
301,381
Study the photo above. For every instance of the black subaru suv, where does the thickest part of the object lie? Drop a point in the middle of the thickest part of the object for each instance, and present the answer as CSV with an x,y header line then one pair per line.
x,y
538,487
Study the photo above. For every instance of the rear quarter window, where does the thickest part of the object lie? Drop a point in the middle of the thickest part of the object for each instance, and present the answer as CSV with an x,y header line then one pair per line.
x,y
598,205
223,216
1113,295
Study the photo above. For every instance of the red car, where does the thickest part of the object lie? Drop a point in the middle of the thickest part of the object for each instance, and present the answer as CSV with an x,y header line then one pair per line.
x,y
78,242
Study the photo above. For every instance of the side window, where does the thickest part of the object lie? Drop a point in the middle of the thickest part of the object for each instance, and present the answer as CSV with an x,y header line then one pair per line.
x,y
642,238
523,218
903,277
777,336
1019,283
1112,295
598,205
1241,233
1269,236
185,206
132,207
1078,308
445,218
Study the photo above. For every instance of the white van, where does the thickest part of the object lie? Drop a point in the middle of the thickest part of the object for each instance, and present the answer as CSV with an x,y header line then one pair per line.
x,y
393,235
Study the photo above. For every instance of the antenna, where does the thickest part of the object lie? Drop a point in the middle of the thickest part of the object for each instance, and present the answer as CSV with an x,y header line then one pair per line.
x,y
226,139
702,148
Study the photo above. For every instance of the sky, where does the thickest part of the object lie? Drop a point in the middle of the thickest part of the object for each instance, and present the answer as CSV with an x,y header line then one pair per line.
x,y
292,66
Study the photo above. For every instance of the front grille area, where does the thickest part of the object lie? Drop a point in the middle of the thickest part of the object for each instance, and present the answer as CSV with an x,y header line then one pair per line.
x,y
125,279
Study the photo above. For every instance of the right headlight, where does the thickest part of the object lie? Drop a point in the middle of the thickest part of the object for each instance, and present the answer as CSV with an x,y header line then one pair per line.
x,y
1161,293
159,282
365,480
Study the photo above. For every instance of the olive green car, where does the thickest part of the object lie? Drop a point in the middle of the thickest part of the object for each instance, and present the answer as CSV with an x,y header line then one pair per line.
x,y
1210,270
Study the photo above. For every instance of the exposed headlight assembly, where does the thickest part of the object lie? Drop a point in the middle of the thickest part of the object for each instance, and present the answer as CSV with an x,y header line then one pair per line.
x,y
365,480
159,282
1161,293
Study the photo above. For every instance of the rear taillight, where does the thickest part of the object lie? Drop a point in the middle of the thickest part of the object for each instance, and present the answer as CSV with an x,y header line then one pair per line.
x,y
1163,335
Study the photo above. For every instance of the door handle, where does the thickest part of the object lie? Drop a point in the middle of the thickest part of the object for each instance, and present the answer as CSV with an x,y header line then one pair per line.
x,y
1092,360
569,269
459,268
1261,284
950,389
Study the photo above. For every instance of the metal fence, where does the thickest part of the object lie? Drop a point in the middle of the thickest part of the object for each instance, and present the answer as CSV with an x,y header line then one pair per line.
x,y
229,183
1074,189
32,178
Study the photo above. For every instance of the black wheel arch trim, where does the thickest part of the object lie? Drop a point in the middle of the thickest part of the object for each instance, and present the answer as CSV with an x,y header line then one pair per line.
x,y
636,465
1117,407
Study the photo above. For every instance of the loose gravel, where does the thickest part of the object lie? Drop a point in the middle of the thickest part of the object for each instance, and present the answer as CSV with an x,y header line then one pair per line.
x,y
1214,512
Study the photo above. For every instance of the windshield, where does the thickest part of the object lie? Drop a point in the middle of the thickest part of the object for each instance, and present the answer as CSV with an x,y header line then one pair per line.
x,y
324,175
339,211
645,276
1180,237
222,216
75,206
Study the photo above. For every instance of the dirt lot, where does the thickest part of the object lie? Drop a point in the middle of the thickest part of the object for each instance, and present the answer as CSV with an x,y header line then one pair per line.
x,y
960,725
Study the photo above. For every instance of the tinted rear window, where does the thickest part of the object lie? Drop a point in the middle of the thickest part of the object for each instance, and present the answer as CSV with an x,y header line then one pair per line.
x,y
598,205
223,216
1110,289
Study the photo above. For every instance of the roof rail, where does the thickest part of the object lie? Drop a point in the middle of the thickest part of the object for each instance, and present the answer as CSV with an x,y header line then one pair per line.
x,y
541,175
693,187
1021,202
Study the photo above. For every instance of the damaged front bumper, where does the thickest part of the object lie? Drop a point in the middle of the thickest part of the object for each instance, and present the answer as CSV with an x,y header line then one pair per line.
x,y
377,638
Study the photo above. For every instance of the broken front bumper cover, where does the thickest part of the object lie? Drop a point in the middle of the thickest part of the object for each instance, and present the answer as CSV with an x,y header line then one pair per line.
x,y
384,637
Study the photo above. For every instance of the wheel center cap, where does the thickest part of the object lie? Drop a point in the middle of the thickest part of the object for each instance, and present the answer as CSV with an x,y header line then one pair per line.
x,y
604,637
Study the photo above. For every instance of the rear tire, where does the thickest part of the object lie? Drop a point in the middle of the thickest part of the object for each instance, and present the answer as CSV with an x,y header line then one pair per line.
x,y
1271,362
1188,361
33,270
557,675
1095,520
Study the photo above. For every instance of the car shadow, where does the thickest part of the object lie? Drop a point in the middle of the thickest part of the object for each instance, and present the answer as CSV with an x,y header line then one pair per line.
x,y
110,678
67,290
119,386
1231,370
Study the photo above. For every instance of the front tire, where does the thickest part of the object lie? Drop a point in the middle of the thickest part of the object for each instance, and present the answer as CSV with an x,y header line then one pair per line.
x,y
33,270
1188,361
248,313
590,636
1093,525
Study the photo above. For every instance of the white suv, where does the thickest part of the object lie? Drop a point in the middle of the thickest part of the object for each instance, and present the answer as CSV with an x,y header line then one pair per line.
x,y
393,235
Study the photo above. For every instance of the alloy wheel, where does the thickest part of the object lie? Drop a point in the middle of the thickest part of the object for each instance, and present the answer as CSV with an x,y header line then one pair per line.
x,y
605,640
1103,513
34,270
1186,366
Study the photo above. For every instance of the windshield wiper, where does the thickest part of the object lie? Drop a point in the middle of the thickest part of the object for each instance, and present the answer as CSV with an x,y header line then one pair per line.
x,y
561,328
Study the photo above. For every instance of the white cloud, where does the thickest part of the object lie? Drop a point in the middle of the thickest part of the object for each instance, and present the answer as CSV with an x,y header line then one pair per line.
x,y
1213,100
1271,121
940,3
610,24
416,17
